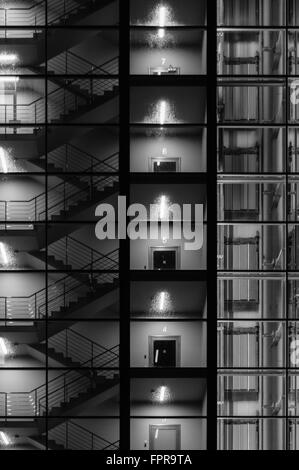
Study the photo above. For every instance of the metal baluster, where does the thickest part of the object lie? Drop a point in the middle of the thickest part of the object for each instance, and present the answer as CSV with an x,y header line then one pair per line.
x,y
92,353
66,250
64,389
66,342
67,435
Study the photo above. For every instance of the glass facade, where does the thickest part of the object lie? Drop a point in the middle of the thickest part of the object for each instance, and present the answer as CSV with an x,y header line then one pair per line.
x,y
257,203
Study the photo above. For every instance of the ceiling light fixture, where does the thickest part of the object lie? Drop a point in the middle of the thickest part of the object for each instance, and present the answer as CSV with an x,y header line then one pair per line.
x,y
3,347
4,438
162,301
162,112
9,79
8,58
162,16
162,393
163,207
3,253
3,160
161,33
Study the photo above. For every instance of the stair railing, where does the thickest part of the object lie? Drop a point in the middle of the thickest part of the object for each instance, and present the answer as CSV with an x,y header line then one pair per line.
x,y
30,113
33,15
82,350
58,391
77,255
60,10
76,437
64,195
63,100
21,308
71,158
69,62
25,211
61,294
64,293
60,198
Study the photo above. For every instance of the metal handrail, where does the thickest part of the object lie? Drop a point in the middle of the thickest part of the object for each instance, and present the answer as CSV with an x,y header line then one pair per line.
x,y
74,436
61,101
78,255
81,349
69,62
79,438
69,157
60,198
59,295
59,390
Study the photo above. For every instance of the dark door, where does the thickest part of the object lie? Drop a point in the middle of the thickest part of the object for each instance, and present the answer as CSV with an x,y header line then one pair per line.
x,y
165,259
164,166
164,353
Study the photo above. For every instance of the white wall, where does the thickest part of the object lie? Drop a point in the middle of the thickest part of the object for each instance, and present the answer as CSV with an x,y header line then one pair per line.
x,y
193,341
174,409
21,380
106,334
193,432
20,285
191,151
190,260
191,60
21,188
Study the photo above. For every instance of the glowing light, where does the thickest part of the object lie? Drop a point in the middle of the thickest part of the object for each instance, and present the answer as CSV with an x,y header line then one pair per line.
x,y
162,112
4,438
9,79
164,151
157,433
162,16
162,393
163,209
3,160
162,301
8,58
3,253
161,33
3,347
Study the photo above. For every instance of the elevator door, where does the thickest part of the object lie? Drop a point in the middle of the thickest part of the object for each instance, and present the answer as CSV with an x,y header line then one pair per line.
x,y
165,166
164,259
164,353
165,437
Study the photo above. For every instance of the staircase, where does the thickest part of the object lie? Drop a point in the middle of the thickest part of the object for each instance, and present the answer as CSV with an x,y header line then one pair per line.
x,y
73,436
68,253
60,395
69,12
73,350
67,103
65,200
70,158
69,435
70,63
60,12
65,297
